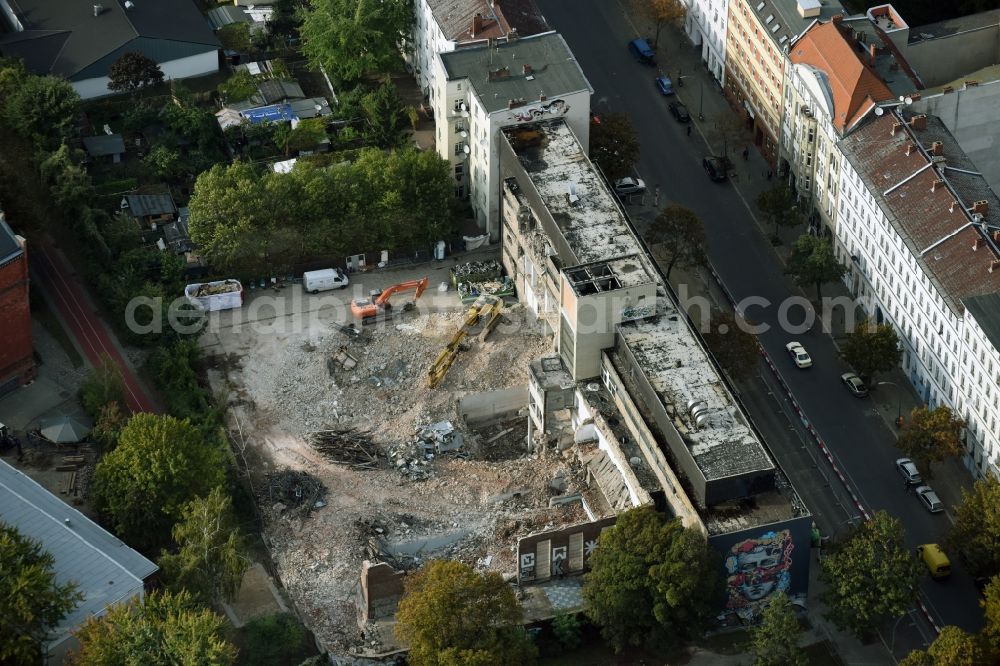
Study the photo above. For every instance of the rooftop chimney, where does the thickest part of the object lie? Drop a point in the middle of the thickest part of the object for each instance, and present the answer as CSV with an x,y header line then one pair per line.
x,y
514,103
980,242
951,208
994,265
982,207
971,84
896,126
497,74
542,97
948,89
910,148
936,184
836,18
477,24
996,236
937,148
918,122
98,10
872,52
526,69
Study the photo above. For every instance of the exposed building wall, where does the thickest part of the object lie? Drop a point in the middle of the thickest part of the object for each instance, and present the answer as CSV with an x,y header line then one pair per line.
x,y
943,59
558,552
380,589
182,68
17,364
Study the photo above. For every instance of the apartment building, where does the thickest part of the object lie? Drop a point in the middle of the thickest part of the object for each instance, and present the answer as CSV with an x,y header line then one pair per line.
x,y
441,26
17,361
919,227
837,73
705,25
759,34
486,88
631,385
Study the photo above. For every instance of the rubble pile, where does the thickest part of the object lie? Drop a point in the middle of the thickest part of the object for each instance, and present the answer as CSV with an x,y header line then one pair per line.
x,y
413,458
292,489
346,446
475,278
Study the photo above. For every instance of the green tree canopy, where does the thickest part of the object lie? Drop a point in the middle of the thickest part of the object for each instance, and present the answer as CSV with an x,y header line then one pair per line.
x,y
168,629
614,145
680,237
102,386
159,465
132,71
814,263
871,577
41,108
779,206
732,345
975,536
991,610
952,647
452,615
352,38
235,37
872,348
930,436
652,581
384,114
31,601
210,560
776,638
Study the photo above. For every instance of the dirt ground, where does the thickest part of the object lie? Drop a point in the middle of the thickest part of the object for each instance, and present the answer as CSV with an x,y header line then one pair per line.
x,y
281,386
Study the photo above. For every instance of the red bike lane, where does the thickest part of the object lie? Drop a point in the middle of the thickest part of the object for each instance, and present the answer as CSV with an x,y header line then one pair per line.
x,y
77,311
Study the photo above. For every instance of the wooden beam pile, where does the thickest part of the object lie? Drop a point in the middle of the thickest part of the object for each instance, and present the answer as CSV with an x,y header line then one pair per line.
x,y
346,446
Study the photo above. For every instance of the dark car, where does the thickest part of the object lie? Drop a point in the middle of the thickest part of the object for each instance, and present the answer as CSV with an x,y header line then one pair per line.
x,y
680,112
715,167
641,51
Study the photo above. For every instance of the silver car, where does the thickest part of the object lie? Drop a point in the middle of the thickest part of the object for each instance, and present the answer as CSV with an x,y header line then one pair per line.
x,y
930,499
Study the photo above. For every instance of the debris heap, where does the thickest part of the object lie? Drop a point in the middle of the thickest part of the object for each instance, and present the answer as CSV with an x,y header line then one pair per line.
x,y
291,489
346,446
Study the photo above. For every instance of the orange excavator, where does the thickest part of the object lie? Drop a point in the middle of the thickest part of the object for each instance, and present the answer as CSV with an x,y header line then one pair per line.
x,y
369,309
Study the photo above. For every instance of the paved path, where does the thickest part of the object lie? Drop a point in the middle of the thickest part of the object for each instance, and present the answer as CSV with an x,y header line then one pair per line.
x,y
63,290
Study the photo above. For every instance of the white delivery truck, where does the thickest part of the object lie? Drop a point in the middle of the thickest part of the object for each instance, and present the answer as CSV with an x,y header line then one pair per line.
x,y
324,280
218,295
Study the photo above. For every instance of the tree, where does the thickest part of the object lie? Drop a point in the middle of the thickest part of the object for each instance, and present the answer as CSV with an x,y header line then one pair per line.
x,y
975,536
991,609
272,639
566,628
930,436
451,615
729,129
680,236
108,425
952,647
41,108
351,38
31,601
779,206
132,71
159,465
102,386
235,37
652,581
872,348
167,629
814,263
307,134
871,577
210,560
662,12
384,112
776,638
239,86
732,345
614,145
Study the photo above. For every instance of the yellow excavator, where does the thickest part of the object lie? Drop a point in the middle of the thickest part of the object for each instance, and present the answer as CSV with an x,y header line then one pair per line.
x,y
486,311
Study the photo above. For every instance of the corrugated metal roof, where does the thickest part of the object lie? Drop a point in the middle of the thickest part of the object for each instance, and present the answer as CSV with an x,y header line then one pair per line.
x,y
105,569
103,145
141,205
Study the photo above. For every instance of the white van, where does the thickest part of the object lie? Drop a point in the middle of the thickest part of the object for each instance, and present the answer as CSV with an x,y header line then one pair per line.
x,y
324,280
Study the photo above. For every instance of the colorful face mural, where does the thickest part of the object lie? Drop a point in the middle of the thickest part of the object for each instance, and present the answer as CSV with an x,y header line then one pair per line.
x,y
758,567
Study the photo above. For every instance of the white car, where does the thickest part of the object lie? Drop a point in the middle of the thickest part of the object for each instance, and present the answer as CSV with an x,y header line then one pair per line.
x,y
629,185
799,355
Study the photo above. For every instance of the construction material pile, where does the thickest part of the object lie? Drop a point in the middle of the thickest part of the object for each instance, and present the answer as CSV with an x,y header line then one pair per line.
x,y
213,288
475,278
346,446
413,457
292,489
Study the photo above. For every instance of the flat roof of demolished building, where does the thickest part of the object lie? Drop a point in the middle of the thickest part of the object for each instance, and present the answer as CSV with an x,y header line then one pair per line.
x,y
588,215
681,373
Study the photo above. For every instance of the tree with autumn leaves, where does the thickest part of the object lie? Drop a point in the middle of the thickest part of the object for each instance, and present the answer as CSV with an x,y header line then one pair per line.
x,y
662,12
931,436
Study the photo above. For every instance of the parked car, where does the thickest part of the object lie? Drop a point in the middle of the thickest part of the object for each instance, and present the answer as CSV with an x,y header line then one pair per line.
x,y
715,167
641,51
629,185
665,85
854,384
908,470
935,560
930,499
680,112
799,354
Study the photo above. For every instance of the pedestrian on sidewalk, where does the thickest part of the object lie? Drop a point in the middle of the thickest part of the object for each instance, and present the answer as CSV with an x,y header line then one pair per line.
x,y
689,130
746,153
656,196
769,174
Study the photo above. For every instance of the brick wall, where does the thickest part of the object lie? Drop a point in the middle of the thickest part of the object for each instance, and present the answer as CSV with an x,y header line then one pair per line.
x,y
16,360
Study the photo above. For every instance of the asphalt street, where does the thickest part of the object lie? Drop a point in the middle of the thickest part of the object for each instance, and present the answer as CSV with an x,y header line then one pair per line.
x,y
597,31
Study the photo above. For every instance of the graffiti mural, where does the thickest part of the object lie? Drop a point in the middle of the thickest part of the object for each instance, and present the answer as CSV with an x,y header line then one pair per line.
x,y
757,568
556,107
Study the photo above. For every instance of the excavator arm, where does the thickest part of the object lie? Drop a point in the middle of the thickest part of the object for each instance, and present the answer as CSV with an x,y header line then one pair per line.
x,y
417,286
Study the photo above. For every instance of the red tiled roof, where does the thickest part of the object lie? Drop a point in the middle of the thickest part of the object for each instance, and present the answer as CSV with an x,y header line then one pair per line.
x,y
854,85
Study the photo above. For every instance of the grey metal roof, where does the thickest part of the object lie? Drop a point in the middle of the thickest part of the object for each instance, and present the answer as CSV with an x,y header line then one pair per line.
x,y
554,70
104,144
141,205
226,15
986,310
63,37
106,570
782,18
9,247
274,90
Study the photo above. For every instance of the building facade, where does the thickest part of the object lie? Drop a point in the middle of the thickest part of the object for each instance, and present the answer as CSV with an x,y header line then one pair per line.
x,y
17,362
705,25
487,88
919,228
759,34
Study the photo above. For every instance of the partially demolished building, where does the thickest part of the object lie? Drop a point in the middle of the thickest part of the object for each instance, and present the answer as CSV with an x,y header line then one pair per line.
x,y
631,383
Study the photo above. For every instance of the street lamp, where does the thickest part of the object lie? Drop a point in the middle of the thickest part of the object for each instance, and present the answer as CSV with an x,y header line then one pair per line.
x,y
701,101
899,401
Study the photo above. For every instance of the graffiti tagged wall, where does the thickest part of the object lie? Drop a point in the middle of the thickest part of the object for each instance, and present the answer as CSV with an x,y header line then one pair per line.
x,y
558,552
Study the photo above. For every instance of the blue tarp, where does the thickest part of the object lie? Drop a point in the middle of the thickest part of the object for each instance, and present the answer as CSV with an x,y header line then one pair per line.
x,y
273,113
